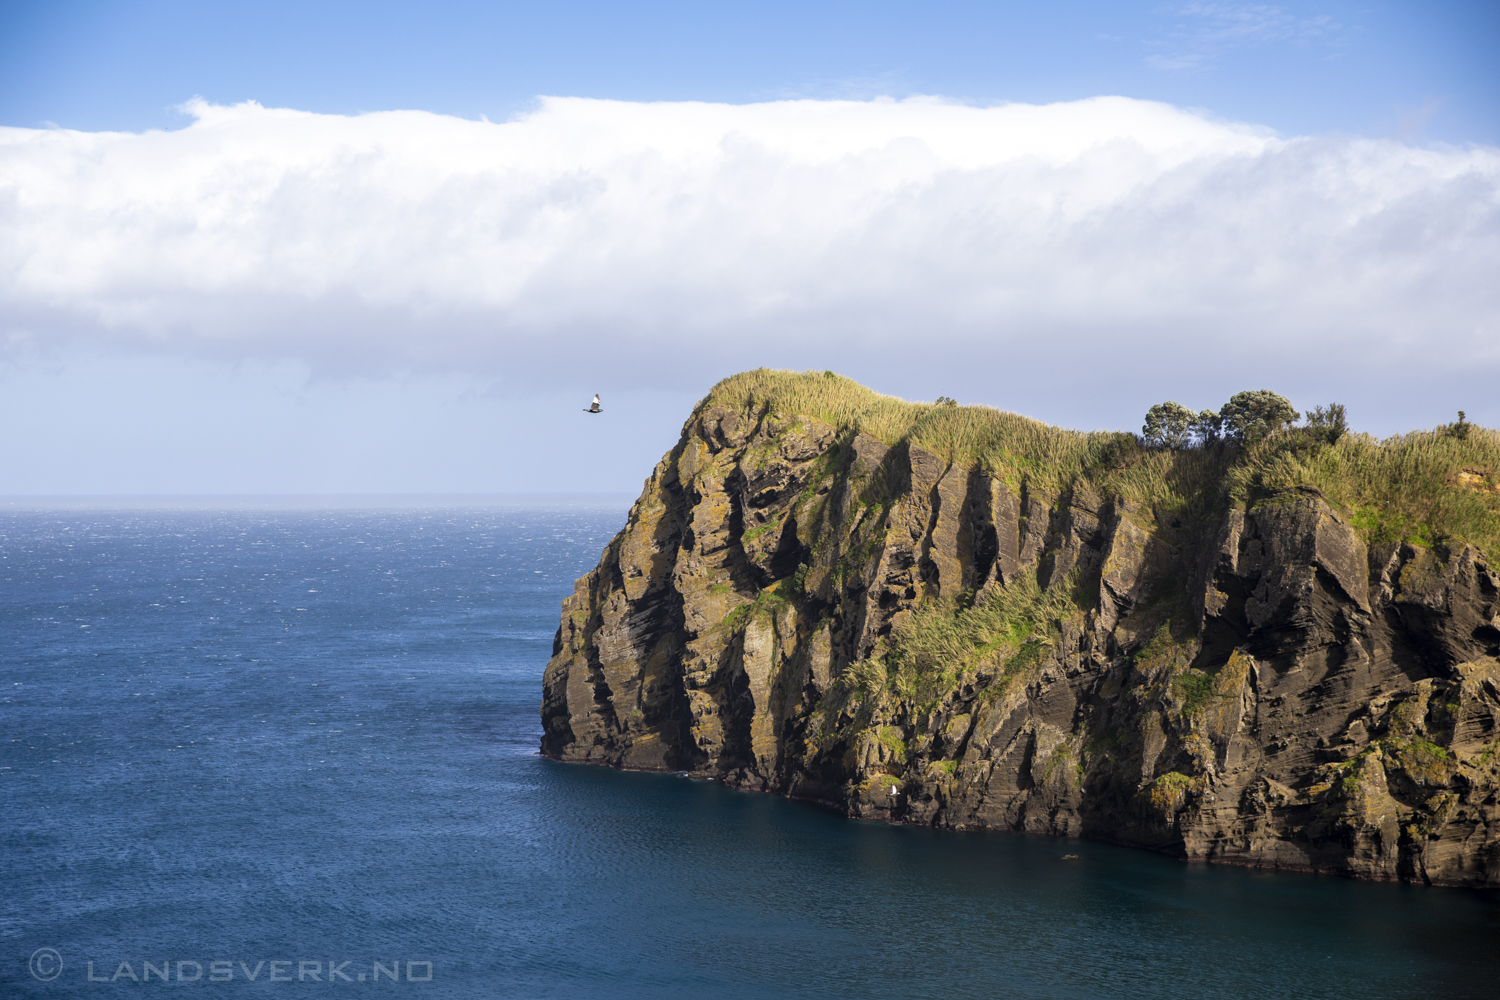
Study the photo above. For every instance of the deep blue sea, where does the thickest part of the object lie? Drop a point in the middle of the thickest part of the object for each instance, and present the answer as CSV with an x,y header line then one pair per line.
x,y
297,742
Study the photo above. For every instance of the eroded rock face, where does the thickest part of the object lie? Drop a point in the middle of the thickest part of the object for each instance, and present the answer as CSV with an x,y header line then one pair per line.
x,y
1277,695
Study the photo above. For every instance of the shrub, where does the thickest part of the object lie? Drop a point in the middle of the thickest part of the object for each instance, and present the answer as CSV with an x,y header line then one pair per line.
x,y
1458,429
1327,425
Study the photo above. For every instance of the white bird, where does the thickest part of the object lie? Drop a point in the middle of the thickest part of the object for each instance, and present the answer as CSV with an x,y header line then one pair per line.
x,y
594,406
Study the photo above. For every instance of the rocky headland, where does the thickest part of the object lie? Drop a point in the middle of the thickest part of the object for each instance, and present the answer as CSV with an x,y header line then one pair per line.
x,y
1281,653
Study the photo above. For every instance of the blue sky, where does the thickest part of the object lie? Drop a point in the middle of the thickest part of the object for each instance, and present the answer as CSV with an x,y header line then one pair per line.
x,y
1374,68
1296,196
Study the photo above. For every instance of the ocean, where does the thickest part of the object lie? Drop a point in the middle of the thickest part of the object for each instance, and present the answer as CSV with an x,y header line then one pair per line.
x,y
289,748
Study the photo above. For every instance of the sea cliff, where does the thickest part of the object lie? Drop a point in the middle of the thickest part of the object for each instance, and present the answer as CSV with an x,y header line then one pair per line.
x,y
1279,653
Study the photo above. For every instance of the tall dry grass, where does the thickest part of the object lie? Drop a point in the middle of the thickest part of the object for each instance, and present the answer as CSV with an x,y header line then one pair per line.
x,y
1423,486
940,640
1007,444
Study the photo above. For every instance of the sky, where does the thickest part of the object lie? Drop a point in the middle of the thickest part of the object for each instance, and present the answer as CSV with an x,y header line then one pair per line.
x,y
395,248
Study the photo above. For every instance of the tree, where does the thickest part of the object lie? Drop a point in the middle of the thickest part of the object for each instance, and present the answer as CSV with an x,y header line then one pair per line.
x,y
1327,425
1207,427
1168,424
1459,430
1250,416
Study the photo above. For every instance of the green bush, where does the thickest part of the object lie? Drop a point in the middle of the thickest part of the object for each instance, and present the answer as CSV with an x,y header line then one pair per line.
x,y
1458,429
1327,425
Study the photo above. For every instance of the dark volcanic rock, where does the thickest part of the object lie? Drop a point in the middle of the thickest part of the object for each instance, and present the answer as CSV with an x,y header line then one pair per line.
x,y
1276,696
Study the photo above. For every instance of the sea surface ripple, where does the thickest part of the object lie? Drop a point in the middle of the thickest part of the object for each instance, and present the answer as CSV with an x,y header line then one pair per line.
x,y
305,735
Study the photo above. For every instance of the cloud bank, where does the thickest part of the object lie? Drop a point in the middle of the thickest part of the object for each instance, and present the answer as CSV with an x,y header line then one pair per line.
x,y
651,239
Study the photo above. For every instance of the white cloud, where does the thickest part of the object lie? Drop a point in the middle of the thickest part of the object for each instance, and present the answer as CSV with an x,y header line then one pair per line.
x,y
653,239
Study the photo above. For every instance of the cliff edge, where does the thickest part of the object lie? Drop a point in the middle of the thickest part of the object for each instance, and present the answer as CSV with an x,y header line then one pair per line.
x,y
1283,654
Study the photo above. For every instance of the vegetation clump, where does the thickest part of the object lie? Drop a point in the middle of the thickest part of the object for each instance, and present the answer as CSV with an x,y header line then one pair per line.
x,y
1016,624
1458,429
890,738
1167,791
1327,425
1194,688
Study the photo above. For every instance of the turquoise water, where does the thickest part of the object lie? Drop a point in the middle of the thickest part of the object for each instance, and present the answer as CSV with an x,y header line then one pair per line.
x,y
304,736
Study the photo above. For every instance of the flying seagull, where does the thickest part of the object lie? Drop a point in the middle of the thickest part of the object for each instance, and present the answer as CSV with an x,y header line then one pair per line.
x,y
594,406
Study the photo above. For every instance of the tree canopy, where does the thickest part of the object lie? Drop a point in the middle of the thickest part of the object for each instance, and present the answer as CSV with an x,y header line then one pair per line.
x,y
1248,416
1252,415
1168,424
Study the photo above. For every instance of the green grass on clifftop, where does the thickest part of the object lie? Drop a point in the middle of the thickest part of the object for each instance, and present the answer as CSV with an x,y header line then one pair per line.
x,y
1005,443
1425,486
